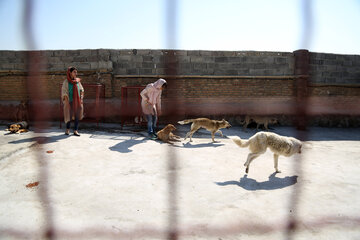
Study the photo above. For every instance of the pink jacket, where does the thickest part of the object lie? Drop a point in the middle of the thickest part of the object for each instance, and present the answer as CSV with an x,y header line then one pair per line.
x,y
151,97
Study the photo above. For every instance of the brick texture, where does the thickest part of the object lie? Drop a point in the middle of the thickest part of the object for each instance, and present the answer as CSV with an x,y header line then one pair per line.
x,y
223,76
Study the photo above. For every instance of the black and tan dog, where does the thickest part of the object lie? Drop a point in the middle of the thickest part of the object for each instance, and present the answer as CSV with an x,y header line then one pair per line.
x,y
212,126
19,127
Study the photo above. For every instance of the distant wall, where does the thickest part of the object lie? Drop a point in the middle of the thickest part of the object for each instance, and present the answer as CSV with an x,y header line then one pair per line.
x,y
325,68
223,76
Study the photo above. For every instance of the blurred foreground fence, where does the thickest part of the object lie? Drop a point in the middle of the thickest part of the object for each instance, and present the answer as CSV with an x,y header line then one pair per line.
x,y
298,85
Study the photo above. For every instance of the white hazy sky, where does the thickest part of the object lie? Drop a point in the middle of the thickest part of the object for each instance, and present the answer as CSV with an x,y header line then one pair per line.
x,y
237,25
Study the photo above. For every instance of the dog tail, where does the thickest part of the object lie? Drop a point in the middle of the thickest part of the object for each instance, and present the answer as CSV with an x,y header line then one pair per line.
x,y
240,142
186,121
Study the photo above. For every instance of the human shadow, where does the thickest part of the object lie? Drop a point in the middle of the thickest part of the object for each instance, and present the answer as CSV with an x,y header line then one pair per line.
x,y
41,139
124,146
252,185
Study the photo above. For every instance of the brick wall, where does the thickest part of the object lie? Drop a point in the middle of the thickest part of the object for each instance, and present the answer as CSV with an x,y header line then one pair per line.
x,y
217,76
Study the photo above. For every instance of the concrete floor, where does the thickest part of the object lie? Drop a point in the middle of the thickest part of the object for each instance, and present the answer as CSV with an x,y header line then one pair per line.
x,y
115,184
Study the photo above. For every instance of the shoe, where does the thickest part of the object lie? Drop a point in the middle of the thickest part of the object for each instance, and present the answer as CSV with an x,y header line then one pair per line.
x,y
67,132
76,134
152,136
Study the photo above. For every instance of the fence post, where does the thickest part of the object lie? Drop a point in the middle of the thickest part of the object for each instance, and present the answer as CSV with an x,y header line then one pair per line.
x,y
301,72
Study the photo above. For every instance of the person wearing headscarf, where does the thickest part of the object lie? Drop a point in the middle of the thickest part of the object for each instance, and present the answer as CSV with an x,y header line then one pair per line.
x,y
72,94
151,104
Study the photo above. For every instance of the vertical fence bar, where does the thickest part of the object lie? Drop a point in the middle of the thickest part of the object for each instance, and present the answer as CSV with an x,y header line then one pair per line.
x,y
36,90
301,73
301,69
171,72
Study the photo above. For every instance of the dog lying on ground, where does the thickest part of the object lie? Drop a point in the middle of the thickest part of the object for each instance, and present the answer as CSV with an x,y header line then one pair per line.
x,y
166,134
19,127
259,142
212,126
259,120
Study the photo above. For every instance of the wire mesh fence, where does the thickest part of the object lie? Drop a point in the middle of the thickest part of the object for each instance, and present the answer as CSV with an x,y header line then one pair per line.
x,y
174,230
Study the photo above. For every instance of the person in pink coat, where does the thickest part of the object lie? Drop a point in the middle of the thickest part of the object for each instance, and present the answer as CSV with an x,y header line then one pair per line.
x,y
151,104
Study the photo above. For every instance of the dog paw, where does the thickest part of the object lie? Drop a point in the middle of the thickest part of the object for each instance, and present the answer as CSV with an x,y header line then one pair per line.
x,y
247,170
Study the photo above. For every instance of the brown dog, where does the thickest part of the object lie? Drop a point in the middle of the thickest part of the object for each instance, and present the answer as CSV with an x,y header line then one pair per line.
x,y
212,126
166,134
19,127
259,120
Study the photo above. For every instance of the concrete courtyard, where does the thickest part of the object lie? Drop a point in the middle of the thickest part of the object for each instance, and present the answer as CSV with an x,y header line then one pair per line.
x,y
114,184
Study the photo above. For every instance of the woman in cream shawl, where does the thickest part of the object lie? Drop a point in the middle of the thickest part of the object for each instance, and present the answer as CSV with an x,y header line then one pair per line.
x,y
151,104
72,94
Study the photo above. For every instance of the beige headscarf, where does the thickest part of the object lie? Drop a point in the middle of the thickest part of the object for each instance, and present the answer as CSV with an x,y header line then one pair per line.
x,y
152,94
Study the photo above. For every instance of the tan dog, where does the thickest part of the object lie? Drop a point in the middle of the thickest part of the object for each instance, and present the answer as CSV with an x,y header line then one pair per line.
x,y
19,127
259,120
259,142
166,134
211,125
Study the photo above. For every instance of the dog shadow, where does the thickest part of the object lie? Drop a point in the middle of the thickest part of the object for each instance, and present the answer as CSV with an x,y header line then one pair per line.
x,y
124,146
201,145
252,185
41,140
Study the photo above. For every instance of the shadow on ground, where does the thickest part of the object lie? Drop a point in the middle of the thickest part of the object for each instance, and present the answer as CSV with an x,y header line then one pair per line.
x,y
252,185
124,146
200,145
42,140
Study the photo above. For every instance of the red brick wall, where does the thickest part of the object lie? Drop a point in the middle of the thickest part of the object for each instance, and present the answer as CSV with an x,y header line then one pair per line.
x,y
208,82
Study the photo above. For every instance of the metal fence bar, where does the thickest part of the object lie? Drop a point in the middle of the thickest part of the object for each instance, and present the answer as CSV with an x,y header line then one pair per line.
x,y
35,87
302,68
171,70
290,226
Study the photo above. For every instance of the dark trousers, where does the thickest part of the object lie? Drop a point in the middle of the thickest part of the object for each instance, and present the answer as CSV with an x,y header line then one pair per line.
x,y
76,122
151,123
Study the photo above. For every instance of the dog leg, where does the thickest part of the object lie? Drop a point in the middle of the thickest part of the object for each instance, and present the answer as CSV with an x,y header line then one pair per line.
x,y
250,158
219,131
192,131
187,135
213,136
174,137
245,126
168,141
276,158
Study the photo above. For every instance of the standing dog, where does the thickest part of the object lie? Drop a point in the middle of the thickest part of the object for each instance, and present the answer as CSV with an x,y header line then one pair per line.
x,y
259,120
166,134
212,126
279,145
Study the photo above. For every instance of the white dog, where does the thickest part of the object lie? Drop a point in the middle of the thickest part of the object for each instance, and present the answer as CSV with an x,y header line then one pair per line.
x,y
279,145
